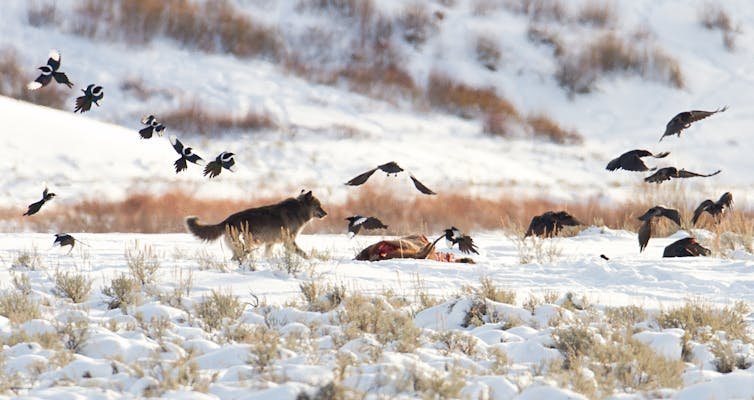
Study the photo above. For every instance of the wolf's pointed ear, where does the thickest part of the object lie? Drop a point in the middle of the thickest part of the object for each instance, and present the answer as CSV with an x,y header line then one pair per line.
x,y
309,195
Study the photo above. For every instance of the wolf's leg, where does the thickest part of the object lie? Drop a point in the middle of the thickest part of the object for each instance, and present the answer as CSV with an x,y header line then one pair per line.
x,y
291,245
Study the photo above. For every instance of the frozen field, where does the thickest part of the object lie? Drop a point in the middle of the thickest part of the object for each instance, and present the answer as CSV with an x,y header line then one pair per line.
x,y
126,355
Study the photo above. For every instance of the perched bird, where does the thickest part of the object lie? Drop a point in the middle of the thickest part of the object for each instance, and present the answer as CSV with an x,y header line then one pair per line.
x,y
153,126
390,168
550,223
685,119
49,72
714,208
465,243
34,207
686,247
224,160
356,222
645,230
187,154
64,239
631,161
665,174
92,94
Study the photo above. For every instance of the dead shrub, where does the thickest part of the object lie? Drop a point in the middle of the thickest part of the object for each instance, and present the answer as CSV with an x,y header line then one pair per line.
x,y
713,16
42,13
18,307
544,127
214,26
122,292
464,100
488,290
543,35
374,315
143,263
193,118
552,10
73,286
15,78
701,320
488,52
214,309
416,23
322,298
499,124
608,54
600,14
265,348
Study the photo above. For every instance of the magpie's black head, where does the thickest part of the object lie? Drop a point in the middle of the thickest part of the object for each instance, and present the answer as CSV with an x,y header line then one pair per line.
x,y
49,195
97,90
46,70
187,151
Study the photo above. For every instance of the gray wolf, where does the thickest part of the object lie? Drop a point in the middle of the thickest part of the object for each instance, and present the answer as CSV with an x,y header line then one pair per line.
x,y
268,225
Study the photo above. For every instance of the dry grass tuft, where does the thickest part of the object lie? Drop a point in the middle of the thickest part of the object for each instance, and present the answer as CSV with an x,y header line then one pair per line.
x,y
18,307
193,118
73,286
540,10
713,16
373,315
217,308
608,54
466,101
600,14
416,23
544,127
122,292
213,27
488,52
701,320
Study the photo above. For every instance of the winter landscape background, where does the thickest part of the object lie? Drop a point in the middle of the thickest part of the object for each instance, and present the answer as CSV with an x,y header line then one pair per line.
x,y
504,108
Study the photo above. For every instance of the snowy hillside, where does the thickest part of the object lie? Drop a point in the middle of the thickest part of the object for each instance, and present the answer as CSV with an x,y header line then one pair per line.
x,y
326,134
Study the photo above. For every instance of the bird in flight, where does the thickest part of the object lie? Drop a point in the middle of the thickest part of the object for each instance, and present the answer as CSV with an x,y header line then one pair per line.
x,y
223,160
714,208
665,174
92,94
50,72
550,223
631,161
153,126
465,243
684,120
391,168
64,239
187,154
645,230
34,207
357,222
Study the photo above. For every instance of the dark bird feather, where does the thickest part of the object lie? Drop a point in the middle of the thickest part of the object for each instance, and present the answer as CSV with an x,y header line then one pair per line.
x,y
632,160
684,120
686,247
645,230
714,208
389,168
358,222
550,223
36,206
667,173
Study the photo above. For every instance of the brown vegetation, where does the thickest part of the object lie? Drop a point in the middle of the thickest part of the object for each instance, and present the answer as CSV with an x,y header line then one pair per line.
x,y
193,118
213,26
464,100
713,16
578,72
543,126
148,213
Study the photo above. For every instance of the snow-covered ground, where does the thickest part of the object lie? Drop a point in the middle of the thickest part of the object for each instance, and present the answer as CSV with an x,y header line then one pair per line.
x,y
122,357
329,134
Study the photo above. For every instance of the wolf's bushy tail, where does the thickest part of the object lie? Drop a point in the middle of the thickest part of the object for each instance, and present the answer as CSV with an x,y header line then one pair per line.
x,y
204,232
